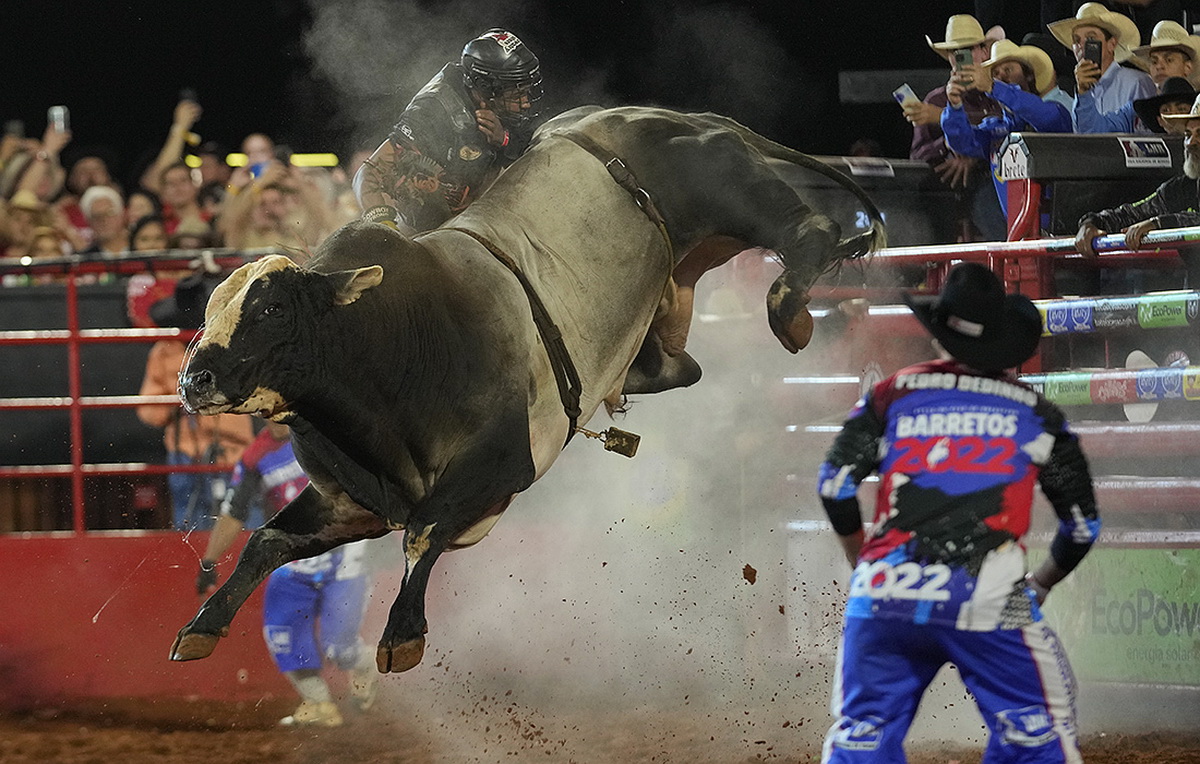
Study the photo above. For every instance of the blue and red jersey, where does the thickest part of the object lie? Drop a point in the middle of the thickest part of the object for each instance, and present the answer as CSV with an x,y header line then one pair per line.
x,y
958,454
269,467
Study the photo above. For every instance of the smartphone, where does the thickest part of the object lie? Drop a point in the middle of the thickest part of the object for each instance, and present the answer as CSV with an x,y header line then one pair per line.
x,y
963,57
905,95
60,118
1091,51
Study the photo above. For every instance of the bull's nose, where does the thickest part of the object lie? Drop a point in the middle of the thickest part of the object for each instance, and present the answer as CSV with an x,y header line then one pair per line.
x,y
198,381
195,386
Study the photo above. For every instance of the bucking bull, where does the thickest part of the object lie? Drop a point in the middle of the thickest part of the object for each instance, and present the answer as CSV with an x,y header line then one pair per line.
x,y
428,380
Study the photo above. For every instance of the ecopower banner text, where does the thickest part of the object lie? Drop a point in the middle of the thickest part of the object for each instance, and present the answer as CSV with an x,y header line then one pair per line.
x,y
1132,615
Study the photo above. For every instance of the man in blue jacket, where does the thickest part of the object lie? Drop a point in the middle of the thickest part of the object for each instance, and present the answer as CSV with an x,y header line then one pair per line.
x,y
1015,77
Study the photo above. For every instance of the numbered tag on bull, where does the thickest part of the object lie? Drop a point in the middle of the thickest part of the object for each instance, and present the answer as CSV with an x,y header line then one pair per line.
x,y
617,441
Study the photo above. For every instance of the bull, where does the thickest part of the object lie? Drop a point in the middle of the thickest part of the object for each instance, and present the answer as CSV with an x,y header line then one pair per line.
x,y
429,379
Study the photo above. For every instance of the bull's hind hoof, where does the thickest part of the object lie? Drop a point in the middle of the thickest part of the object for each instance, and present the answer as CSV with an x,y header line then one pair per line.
x,y
401,657
193,646
787,312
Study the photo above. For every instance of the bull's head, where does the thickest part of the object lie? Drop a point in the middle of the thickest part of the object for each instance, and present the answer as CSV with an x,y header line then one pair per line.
x,y
257,353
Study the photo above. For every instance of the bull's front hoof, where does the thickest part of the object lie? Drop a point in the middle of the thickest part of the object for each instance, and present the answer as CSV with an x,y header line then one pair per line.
x,y
193,646
400,657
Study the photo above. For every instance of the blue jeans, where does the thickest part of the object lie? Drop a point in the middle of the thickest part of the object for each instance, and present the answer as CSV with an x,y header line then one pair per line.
x,y
191,496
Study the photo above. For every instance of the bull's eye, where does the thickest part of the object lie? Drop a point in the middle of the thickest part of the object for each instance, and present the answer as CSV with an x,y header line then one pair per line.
x,y
273,309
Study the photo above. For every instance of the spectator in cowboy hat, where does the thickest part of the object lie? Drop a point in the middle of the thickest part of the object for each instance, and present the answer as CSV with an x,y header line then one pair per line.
x,y
1173,204
24,213
1109,86
977,213
1016,77
1176,97
1172,52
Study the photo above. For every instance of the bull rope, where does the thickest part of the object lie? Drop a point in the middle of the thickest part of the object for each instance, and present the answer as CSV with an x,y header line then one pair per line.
x,y
569,386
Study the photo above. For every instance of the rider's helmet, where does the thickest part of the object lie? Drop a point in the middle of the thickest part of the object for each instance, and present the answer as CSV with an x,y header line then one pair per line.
x,y
506,73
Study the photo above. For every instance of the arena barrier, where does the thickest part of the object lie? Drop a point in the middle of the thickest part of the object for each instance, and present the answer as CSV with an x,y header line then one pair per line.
x,y
90,614
96,608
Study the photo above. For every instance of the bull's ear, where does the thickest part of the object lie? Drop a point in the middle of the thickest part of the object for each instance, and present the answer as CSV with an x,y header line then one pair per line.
x,y
349,285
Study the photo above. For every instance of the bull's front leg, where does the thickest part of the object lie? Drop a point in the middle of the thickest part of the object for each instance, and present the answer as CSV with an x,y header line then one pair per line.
x,y
403,642
309,525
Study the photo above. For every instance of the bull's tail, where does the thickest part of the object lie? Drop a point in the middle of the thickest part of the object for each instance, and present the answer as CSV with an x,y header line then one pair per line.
x,y
871,240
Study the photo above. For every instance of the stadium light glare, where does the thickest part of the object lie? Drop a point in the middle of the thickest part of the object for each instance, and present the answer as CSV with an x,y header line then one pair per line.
x,y
238,159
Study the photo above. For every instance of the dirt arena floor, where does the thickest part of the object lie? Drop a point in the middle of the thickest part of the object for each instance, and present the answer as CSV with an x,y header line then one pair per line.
x,y
495,731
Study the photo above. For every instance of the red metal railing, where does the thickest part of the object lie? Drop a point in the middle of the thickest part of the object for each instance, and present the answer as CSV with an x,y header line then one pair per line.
x,y
72,269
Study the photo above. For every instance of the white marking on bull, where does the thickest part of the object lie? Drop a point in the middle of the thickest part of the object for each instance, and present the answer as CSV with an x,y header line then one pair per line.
x,y
415,547
225,305
265,402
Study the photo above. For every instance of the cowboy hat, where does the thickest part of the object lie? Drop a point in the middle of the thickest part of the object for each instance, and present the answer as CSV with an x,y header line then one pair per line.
x,y
12,170
1170,35
1118,25
184,308
962,31
191,228
1174,90
26,200
1193,113
1031,55
976,322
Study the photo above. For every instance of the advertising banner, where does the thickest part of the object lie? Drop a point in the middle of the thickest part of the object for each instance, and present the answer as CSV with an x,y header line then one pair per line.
x,y
1131,615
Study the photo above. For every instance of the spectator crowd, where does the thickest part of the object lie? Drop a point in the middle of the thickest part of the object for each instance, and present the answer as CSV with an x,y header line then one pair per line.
x,y
1089,73
51,207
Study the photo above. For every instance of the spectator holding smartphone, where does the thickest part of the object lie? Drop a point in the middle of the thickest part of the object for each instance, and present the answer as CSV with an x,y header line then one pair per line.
x,y
1172,53
1017,77
977,214
1100,39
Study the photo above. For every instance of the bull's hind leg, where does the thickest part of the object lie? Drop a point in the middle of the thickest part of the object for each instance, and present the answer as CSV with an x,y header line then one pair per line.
x,y
309,525
403,643
757,207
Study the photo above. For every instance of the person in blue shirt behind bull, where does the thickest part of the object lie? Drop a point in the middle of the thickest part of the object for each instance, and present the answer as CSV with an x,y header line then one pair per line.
x,y
1017,77
959,444
313,607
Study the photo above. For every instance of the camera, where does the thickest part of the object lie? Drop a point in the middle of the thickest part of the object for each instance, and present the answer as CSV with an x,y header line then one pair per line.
x,y
1091,51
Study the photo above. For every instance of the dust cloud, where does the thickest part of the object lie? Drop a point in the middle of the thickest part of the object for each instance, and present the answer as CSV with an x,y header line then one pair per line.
x,y
611,608
720,58
378,54
375,55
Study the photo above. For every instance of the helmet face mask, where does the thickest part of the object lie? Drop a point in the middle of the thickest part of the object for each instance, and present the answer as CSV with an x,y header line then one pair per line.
x,y
505,74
